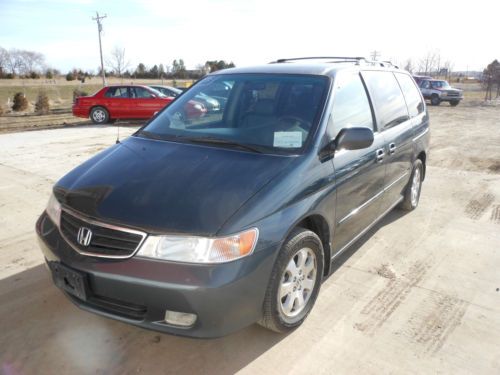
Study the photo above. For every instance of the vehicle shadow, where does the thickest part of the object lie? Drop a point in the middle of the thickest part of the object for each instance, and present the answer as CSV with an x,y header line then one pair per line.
x,y
42,332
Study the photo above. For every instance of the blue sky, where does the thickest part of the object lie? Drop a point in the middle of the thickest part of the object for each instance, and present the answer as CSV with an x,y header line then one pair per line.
x,y
251,31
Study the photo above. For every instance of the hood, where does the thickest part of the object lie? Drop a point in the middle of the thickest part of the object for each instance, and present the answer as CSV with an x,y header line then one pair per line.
x,y
167,187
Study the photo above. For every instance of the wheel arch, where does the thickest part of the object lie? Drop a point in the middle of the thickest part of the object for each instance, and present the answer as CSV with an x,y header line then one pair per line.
x,y
423,157
317,223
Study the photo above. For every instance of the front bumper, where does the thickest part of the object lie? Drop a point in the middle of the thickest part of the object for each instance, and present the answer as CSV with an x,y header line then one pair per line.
x,y
225,297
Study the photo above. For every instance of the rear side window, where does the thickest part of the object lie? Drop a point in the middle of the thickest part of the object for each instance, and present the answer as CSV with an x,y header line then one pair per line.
x,y
140,92
387,97
351,107
411,94
116,92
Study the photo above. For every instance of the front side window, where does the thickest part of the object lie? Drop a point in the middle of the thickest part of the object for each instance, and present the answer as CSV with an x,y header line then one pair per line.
x,y
265,112
351,107
411,94
388,100
116,92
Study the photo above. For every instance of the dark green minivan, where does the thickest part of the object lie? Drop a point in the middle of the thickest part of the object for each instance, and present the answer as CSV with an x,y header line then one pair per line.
x,y
202,225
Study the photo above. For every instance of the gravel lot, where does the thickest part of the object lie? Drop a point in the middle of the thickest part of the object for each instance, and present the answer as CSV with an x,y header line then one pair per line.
x,y
418,294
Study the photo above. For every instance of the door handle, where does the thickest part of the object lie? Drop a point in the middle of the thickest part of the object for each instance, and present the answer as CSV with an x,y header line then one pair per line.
x,y
380,153
392,148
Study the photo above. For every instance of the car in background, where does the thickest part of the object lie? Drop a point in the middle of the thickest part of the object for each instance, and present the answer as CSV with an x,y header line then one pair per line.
x,y
129,102
120,102
437,91
211,104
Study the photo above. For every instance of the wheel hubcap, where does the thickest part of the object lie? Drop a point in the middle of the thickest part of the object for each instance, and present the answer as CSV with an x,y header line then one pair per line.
x,y
99,116
297,283
415,187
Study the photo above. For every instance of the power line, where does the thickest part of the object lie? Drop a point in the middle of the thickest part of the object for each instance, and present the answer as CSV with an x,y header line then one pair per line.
x,y
99,31
374,54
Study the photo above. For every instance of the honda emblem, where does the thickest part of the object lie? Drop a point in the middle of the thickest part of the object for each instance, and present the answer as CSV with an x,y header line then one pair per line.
x,y
84,236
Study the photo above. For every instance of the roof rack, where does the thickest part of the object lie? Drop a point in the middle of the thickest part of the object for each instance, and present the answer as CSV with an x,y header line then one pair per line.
x,y
346,58
356,59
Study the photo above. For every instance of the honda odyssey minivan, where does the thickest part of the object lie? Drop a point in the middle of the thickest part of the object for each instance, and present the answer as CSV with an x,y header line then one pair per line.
x,y
202,226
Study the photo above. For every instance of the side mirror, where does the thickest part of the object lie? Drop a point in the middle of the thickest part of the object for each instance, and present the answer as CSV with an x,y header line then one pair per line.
x,y
354,139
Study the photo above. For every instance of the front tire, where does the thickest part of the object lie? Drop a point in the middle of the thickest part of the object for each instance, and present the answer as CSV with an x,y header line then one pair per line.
x,y
295,282
435,100
99,115
414,187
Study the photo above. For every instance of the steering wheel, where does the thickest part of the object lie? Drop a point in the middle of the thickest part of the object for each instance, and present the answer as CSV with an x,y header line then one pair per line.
x,y
289,119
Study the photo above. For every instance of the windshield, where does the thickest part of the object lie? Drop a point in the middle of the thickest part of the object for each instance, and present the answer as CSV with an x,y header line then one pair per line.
x,y
258,112
439,84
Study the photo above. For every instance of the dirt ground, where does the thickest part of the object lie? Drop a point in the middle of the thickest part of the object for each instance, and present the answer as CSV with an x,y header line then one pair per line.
x,y
419,294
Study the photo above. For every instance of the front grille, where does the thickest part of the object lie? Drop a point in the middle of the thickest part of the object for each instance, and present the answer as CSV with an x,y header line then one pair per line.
x,y
453,93
106,240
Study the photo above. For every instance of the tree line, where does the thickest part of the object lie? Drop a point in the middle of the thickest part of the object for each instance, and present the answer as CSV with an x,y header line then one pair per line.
x,y
119,66
31,64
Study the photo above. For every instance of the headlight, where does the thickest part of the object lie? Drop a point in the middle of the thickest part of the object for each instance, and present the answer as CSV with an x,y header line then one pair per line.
x,y
54,209
200,249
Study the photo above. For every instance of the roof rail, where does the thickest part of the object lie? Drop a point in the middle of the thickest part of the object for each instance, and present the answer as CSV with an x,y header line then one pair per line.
x,y
355,59
347,58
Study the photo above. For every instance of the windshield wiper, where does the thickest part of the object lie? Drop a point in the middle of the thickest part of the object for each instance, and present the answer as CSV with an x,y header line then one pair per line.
x,y
224,142
147,134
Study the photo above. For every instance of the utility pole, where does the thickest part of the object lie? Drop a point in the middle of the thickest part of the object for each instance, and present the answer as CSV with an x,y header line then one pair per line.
x,y
99,30
374,54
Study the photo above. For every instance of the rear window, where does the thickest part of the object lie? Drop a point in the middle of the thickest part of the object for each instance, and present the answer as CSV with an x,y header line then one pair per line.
x,y
272,112
141,93
390,106
411,94
116,92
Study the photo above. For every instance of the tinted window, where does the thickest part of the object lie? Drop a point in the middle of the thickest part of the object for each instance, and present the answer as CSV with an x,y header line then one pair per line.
x,y
116,92
390,106
273,112
140,92
351,107
411,94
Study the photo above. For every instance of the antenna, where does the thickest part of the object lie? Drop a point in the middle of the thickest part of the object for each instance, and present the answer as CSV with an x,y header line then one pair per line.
x,y
118,134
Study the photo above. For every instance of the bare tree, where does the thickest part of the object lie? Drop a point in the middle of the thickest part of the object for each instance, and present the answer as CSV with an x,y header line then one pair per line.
x,y
4,55
14,61
31,61
117,61
430,62
409,66
448,65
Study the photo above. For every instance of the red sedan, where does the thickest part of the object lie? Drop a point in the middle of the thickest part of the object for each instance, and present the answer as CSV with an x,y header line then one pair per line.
x,y
127,102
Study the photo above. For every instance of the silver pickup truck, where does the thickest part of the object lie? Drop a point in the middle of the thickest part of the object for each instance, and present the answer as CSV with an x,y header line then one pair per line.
x,y
438,91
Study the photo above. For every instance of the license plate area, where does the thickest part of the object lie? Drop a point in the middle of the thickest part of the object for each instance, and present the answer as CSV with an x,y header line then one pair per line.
x,y
69,280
